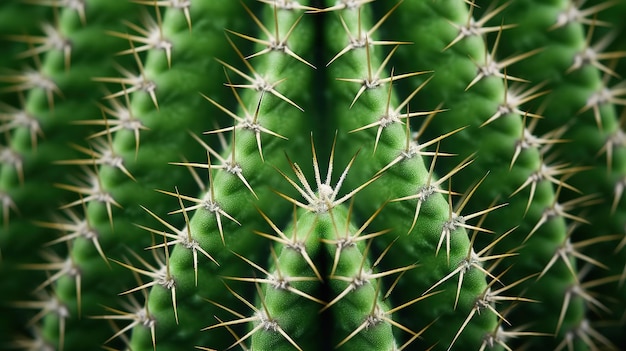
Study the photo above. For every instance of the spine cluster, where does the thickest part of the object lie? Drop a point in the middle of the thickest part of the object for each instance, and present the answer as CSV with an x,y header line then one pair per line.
x,y
312,175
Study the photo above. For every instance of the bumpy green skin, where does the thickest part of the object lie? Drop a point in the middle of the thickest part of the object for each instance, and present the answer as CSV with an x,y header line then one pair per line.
x,y
495,144
338,262
194,51
571,90
22,240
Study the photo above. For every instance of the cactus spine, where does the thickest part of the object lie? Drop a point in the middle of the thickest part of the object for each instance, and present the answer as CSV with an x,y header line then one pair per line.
x,y
264,175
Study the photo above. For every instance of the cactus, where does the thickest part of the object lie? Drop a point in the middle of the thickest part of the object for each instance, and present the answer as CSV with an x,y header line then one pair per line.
x,y
312,175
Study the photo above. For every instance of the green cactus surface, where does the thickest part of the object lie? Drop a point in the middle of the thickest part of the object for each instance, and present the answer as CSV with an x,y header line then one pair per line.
x,y
312,175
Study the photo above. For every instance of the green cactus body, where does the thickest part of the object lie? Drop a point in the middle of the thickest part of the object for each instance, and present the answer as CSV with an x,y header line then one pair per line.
x,y
53,96
470,73
426,243
157,104
578,71
282,175
232,224
14,23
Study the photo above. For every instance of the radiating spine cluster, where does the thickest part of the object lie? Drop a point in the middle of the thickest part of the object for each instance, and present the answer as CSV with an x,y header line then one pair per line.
x,y
463,188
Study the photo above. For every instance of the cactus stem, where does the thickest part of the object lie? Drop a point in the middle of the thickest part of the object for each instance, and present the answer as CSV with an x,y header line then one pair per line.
x,y
514,98
323,235
138,316
456,220
548,172
12,159
76,5
373,80
91,186
561,210
568,250
581,290
349,240
47,304
605,95
365,40
136,82
102,153
294,243
488,299
29,79
529,141
258,83
160,275
151,36
277,281
430,188
64,267
413,149
208,202
587,334
123,119
575,14
392,116
52,40
501,336
266,323
183,5
614,142
13,118
249,122
181,237
231,166
275,43
478,28
378,315
74,228
373,319
593,54
362,277
492,67
473,260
